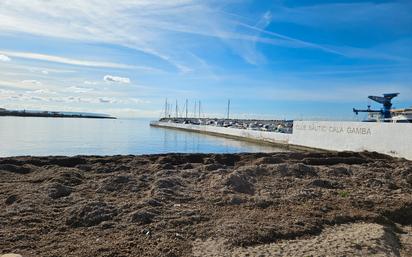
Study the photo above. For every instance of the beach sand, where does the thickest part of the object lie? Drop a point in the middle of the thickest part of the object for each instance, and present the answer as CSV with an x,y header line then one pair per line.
x,y
279,204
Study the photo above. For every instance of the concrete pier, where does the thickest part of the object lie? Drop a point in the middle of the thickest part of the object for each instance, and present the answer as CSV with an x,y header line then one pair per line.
x,y
393,139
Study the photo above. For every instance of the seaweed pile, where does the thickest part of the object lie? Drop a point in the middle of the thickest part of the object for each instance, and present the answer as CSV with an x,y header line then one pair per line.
x,y
164,205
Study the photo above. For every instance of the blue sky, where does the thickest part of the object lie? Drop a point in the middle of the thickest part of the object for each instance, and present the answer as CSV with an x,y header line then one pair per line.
x,y
273,59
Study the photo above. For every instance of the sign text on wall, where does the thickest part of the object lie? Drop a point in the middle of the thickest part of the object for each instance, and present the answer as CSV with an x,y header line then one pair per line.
x,y
334,129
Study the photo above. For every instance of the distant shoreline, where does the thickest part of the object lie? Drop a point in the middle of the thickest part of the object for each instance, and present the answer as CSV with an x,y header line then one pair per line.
x,y
52,115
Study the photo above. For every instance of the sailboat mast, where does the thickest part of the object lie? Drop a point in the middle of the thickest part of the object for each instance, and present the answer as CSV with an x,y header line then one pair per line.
x,y
186,107
177,114
228,108
166,108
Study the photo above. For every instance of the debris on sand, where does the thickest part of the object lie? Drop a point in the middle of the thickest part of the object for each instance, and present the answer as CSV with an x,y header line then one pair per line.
x,y
10,199
14,168
142,217
239,183
251,204
57,190
90,214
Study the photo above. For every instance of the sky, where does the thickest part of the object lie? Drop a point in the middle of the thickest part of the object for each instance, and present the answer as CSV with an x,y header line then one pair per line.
x,y
306,59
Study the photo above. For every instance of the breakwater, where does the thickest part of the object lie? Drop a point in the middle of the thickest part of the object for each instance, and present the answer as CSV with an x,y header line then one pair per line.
x,y
392,139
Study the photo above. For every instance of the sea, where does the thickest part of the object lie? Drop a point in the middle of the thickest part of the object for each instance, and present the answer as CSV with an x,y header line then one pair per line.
x,y
36,136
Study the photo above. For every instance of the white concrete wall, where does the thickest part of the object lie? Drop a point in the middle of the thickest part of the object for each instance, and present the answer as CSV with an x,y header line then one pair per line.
x,y
389,138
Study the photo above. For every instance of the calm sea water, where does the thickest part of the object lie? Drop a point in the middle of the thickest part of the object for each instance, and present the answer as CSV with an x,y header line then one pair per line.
x,y
54,136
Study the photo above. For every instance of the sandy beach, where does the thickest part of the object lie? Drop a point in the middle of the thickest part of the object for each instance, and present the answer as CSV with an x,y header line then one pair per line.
x,y
279,204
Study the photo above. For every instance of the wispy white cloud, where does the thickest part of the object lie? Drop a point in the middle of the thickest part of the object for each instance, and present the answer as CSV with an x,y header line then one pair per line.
x,y
46,71
4,58
245,45
6,91
64,60
101,21
21,69
31,81
116,79
286,40
44,91
122,101
138,101
88,82
75,89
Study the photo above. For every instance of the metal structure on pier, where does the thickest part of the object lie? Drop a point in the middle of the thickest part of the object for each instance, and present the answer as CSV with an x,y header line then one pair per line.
x,y
386,101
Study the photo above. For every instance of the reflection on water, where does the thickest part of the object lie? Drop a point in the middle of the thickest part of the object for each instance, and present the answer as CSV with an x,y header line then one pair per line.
x,y
53,136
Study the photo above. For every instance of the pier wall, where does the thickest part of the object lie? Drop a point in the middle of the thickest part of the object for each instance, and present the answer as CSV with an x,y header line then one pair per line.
x,y
394,139
387,138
